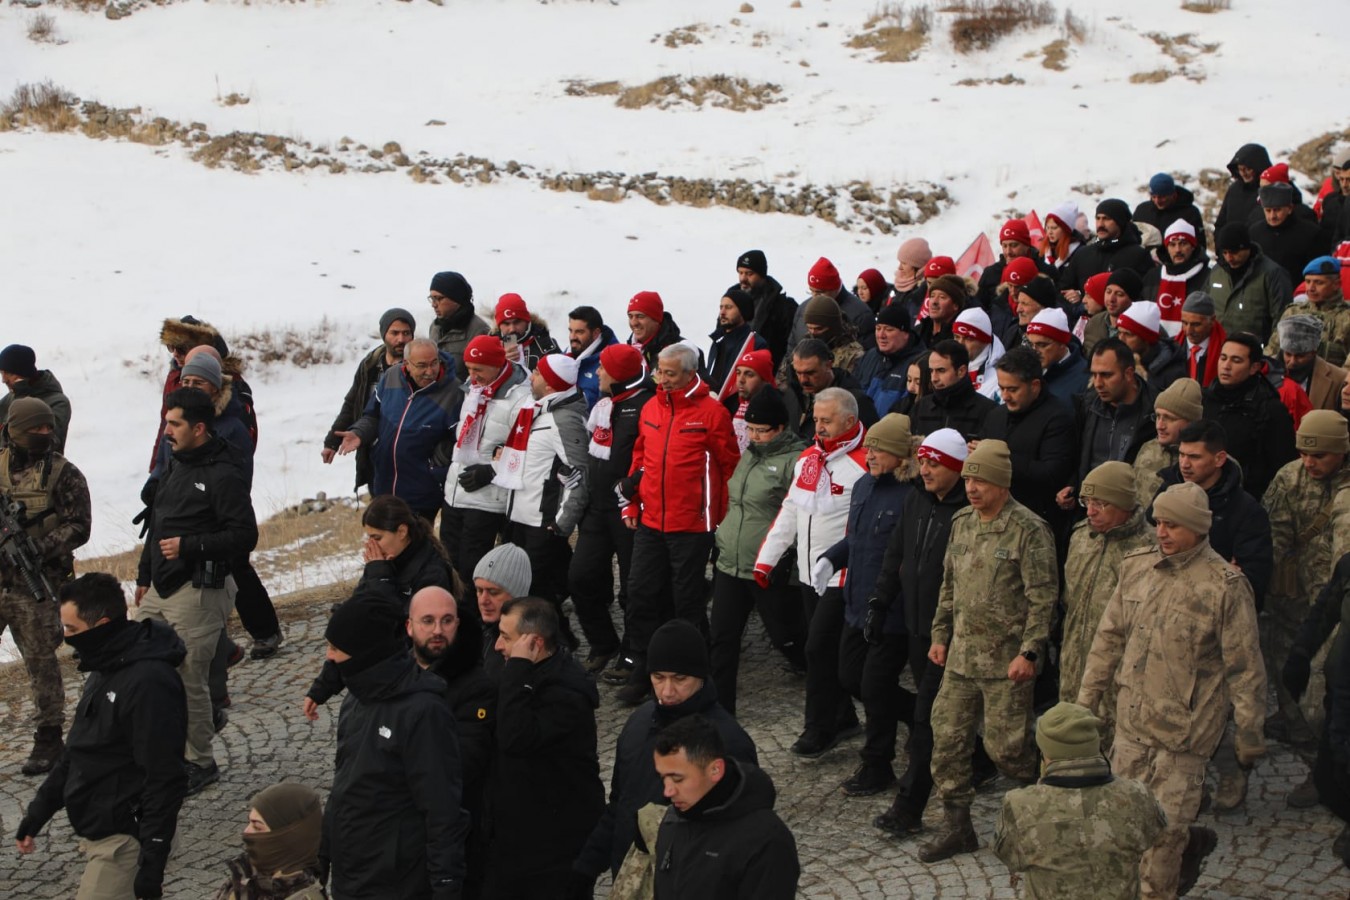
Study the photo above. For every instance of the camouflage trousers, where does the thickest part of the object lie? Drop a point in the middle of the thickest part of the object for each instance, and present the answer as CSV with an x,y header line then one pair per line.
x,y
1279,624
36,628
961,704
1176,780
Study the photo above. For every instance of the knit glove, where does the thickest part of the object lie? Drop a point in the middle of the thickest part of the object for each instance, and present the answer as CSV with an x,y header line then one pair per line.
x,y
475,478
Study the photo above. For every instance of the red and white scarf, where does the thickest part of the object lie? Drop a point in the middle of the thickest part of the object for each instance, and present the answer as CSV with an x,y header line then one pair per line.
x,y
471,428
738,425
598,424
511,464
814,491
1172,290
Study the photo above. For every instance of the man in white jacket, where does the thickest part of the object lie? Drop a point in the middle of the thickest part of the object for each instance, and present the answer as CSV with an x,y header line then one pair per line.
x,y
813,517
476,507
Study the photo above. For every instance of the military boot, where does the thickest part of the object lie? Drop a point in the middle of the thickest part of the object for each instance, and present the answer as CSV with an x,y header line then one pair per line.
x,y
901,820
1200,843
1232,790
1303,796
957,836
47,747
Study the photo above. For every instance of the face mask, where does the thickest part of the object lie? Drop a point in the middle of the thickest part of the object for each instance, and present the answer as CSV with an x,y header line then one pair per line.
x,y
88,643
37,444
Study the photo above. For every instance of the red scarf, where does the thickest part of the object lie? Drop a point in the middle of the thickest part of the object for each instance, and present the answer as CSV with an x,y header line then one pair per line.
x,y
471,429
814,491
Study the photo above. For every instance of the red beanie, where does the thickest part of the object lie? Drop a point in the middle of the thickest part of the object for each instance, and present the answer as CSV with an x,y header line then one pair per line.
x,y
1095,287
623,362
558,370
511,307
823,277
1276,174
649,304
485,350
1015,230
939,266
758,361
1020,271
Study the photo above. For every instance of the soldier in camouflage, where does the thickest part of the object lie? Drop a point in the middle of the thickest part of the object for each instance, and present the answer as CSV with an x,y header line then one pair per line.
x,y
1179,637
1114,527
999,583
1175,408
1300,502
1080,831
1322,282
56,507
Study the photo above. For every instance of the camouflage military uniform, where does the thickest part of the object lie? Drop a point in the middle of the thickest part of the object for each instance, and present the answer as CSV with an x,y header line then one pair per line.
x,y
1079,832
1335,316
999,582
36,627
1180,638
1301,510
1090,574
1152,458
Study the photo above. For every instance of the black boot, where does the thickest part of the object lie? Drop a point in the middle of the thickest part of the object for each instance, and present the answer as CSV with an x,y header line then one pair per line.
x,y
901,820
957,836
1200,843
47,749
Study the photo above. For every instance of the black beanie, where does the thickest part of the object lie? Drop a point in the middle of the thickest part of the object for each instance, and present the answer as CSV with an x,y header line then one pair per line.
x,y
1233,237
766,407
754,261
396,315
744,302
1115,209
452,285
1127,280
366,628
678,647
894,315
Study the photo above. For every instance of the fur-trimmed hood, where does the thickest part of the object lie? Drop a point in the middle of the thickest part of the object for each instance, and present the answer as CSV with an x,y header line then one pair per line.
x,y
177,333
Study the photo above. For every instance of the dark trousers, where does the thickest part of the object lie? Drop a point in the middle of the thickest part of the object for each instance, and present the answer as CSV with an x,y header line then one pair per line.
x,y
550,555
600,537
779,609
468,534
252,602
829,709
916,784
668,581
1331,777
872,674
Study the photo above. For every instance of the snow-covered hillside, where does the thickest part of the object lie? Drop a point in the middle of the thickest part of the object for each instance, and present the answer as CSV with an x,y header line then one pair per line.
x,y
100,239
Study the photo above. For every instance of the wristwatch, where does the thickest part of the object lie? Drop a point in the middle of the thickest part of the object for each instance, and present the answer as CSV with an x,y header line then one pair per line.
x,y
1029,655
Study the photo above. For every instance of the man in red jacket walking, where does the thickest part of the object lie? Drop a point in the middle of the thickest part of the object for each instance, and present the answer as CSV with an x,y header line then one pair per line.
x,y
676,494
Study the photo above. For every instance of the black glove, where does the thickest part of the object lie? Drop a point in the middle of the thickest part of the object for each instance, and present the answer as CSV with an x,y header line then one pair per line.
x,y
580,886
148,492
475,478
875,621
1297,671
143,519
627,488
150,877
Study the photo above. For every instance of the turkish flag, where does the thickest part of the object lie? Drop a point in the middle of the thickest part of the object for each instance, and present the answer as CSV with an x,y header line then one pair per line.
x,y
1036,228
978,256
1343,254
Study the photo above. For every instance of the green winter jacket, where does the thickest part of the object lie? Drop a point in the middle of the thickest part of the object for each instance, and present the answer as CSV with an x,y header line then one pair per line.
x,y
1255,299
756,493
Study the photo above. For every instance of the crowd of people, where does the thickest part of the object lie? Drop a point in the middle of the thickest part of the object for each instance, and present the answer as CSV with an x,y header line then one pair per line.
x,y
1102,481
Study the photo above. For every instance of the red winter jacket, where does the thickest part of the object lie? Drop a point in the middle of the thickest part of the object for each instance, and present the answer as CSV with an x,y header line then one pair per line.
x,y
686,450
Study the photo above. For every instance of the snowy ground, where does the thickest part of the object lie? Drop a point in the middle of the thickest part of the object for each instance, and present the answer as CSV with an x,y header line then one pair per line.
x,y
99,240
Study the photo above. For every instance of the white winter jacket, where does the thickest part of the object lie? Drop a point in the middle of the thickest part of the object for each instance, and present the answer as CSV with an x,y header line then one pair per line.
x,y
501,415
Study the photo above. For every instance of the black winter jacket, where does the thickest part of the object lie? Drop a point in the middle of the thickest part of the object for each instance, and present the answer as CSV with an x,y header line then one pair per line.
x,y
1259,429
603,474
367,375
911,571
775,312
725,352
729,846
1123,430
394,826
873,512
1165,362
1124,252
122,770
987,292
1183,208
1043,441
203,499
1240,200
959,406
799,405
1293,245
635,782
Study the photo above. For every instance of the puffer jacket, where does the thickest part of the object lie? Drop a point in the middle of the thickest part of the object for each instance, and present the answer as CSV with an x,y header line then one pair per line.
x,y
588,365
756,492
1252,298
686,451
501,415
556,453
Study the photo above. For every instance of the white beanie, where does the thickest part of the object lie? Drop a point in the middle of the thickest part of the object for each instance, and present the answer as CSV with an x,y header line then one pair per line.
x,y
1067,214
945,447
1141,319
1053,323
974,323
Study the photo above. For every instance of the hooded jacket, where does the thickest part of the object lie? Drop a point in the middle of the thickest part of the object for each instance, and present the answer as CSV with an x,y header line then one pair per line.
x,y
122,770
873,513
1259,429
686,451
588,365
1240,200
666,334
46,388
756,493
854,310
535,344
911,571
411,434
1251,298
231,424
393,825
635,782
202,498
775,313
730,845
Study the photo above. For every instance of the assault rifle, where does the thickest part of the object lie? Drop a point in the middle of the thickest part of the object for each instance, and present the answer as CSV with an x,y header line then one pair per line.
x,y
19,552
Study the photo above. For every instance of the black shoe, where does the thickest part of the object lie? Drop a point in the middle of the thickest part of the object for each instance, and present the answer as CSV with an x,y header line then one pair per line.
x,y
622,671
219,719
201,776
1200,843
868,779
265,648
633,693
595,663
813,745
900,821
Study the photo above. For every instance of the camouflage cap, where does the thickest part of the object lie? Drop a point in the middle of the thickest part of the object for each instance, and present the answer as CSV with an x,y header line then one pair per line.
x,y
892,435
1068,731
1111,482
991,461
1323,431
1182,398
1185,504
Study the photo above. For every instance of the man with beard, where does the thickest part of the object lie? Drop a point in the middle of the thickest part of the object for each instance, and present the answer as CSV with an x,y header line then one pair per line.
x,y
1014,240
455,324
587,335
732,339
812,370
1118,246
1184,269
1169,204
947,296
1336,205
397,327
524,334
753,371
774,310
680,670
1160,361
1322,280
1066,371
1250,290
447,645
954,402
1300,338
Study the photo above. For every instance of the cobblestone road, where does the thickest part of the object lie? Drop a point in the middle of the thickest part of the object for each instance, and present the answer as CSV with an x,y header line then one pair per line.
x,y
1265,850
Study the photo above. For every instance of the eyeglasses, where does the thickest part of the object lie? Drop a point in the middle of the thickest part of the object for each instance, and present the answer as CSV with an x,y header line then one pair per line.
x,y
1091,504
423,366
434,299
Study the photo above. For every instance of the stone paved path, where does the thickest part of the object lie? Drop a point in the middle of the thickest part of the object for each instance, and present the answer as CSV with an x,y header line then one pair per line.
x,y
1265,850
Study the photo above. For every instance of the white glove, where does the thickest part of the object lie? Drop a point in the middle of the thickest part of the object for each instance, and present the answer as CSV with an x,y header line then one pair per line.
x,y
821,573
